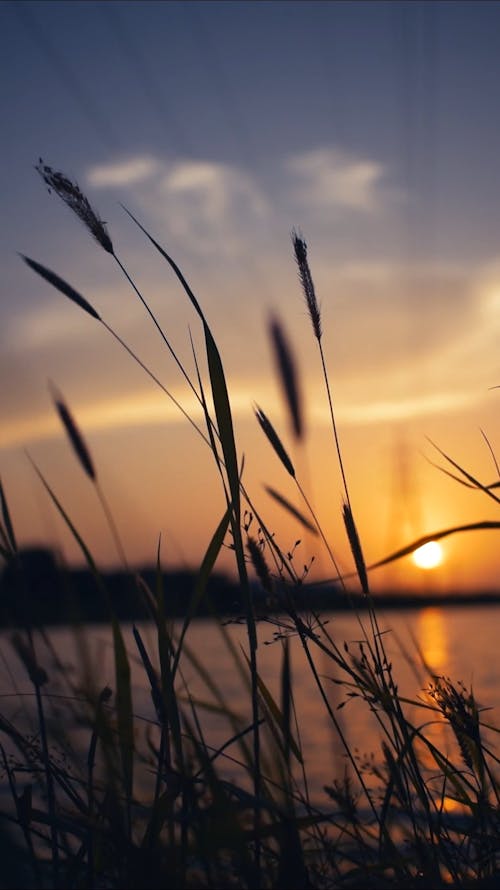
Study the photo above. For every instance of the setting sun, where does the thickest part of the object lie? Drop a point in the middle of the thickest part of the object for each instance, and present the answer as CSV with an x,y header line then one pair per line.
x,y
428,556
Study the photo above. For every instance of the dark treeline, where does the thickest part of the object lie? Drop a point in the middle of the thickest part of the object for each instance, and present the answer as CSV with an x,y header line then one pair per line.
x,y
36,588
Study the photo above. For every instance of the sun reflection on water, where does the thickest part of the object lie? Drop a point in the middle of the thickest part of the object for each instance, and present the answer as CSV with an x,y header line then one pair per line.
x,y
432,638
433,642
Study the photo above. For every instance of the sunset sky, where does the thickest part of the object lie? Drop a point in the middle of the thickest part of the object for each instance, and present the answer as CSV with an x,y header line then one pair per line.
x,y
374,128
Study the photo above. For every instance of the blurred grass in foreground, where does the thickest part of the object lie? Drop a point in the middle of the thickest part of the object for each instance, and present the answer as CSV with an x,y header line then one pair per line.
x,y
426,818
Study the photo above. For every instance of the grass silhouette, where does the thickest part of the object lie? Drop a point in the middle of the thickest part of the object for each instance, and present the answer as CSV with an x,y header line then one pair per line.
x,y
85,821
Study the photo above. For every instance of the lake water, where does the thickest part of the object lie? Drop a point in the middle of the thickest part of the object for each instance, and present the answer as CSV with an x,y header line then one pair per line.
x,y
461,643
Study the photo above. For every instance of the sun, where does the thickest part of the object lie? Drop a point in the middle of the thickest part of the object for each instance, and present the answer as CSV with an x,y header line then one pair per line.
x,y
429,556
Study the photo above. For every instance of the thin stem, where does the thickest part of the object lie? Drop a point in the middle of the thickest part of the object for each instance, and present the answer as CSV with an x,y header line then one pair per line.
x,y
112,525
155,379
320,530
51,797
158,327
302,631
334,425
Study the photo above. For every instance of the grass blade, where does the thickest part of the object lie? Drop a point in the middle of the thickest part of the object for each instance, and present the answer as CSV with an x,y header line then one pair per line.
x,y
206,567
61,285
9,528
291,509
472,479
122,666
278,719
225,429
434,536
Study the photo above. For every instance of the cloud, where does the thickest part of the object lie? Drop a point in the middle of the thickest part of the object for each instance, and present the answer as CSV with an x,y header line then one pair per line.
x,y
214,206
212,201
217,186
329,178
389,315
47,325
119,174
210,205
439,403
140,409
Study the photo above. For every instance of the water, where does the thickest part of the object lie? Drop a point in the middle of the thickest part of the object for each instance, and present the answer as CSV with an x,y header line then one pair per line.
x,y
457,642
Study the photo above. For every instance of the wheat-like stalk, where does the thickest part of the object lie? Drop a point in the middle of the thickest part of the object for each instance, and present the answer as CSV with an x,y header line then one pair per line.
x,y
83,454
274,439
74,435
72,195
300,248
286,366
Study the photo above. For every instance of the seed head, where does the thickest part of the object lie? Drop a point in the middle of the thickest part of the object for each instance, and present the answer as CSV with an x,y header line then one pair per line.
x,y
73,433
76,201
274,439
355,544
460,709
300,249
260,565
61,286
288,375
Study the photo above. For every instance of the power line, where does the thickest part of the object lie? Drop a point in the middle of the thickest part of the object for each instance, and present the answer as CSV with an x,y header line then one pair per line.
x,y
134,58
208,54
65,74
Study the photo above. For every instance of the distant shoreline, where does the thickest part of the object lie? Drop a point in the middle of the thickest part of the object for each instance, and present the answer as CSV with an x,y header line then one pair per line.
x,y
38,588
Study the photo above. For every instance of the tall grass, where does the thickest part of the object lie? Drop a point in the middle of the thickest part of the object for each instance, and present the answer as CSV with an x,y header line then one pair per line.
x,y
91,820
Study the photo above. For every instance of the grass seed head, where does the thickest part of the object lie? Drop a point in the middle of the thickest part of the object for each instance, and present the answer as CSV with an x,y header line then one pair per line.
x,y
74,434
260,565
275,441
460,709
61,285
300,249
76,201
288,375
355,544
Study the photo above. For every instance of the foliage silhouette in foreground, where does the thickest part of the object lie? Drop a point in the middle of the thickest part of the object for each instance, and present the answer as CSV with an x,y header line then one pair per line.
x,y
135,805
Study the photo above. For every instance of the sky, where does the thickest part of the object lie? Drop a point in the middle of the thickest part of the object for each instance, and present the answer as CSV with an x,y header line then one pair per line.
x,y
373,129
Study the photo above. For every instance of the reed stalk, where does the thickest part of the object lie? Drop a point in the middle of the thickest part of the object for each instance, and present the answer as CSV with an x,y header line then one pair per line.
x,y
195,828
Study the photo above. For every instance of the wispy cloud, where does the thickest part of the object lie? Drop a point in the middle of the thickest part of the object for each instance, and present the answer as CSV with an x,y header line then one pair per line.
x,y
144,409
213,205
46,325
211,200
141,409
406,408
205,203
387,315
329,178
123,173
